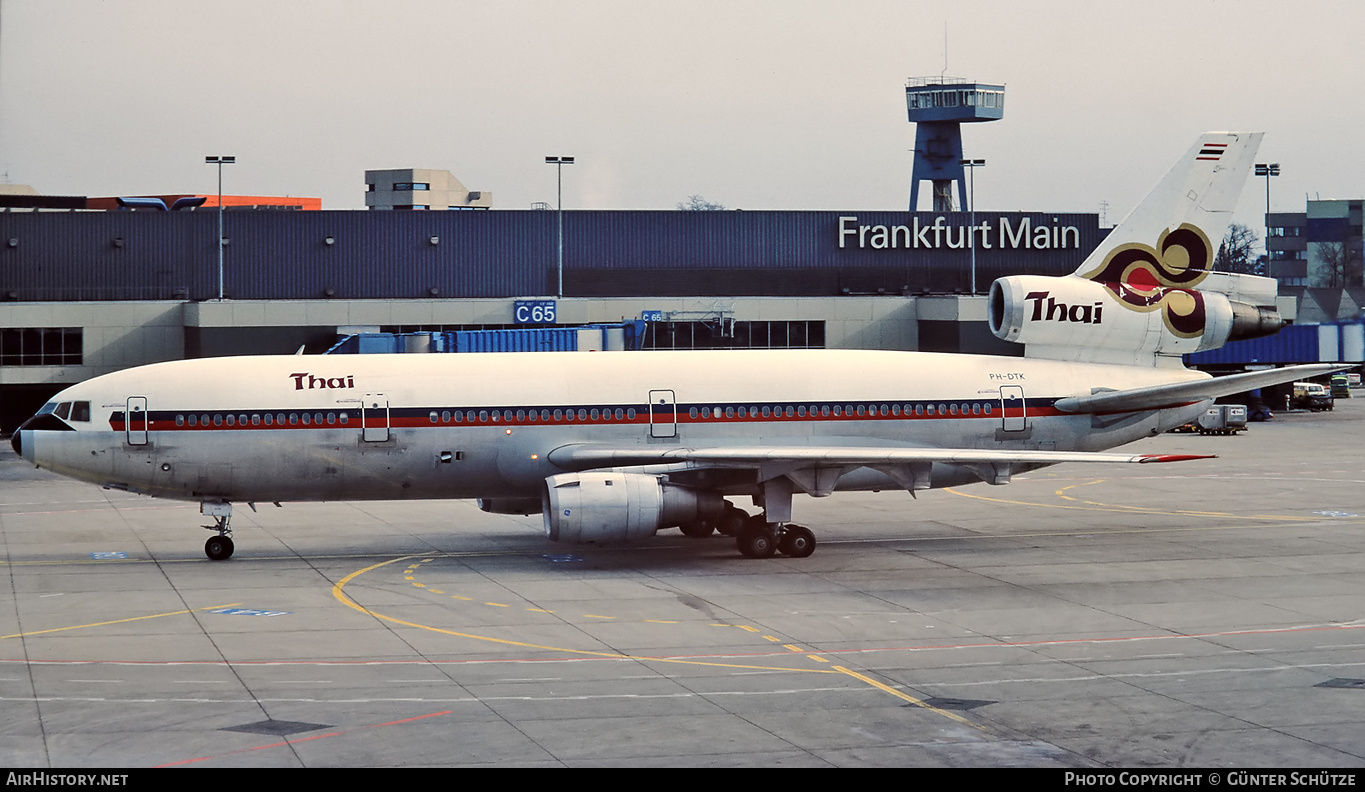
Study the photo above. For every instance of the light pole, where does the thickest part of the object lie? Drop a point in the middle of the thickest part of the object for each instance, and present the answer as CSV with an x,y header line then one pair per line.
x,y
971,165
559,163
220,162
1272,169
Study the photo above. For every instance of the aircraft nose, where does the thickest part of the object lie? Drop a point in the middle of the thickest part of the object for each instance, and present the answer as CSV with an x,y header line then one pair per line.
x,y
16,440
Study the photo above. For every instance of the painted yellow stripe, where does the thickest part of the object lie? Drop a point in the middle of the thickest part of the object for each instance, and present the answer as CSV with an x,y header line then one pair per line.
x,y
907,697
1073,486
338,592
117,621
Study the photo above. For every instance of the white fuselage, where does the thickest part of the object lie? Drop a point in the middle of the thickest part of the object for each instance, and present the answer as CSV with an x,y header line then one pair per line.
x,y
358,427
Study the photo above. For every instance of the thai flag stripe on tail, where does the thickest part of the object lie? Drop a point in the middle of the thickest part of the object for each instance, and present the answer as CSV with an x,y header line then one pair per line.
x,y
1211,151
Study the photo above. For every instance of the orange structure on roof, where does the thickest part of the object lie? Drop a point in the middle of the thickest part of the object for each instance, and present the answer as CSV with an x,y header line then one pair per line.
x,y
229,201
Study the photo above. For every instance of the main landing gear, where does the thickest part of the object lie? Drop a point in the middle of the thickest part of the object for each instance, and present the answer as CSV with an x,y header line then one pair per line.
x,y
761,539
755,536
220,547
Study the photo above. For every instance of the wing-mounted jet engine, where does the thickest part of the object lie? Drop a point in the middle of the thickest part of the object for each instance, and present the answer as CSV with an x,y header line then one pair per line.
x,y
611,507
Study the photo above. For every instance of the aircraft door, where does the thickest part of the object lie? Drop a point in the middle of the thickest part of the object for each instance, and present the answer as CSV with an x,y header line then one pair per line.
x,y
374,418
1012,408
663,414
135,420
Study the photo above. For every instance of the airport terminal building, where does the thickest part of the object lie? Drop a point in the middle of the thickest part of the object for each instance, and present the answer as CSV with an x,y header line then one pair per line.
x,y
83,293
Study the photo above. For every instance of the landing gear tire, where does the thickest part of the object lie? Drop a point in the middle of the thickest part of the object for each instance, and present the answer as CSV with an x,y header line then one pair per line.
x,y
218,548
756,540
731,522
797,541
696,530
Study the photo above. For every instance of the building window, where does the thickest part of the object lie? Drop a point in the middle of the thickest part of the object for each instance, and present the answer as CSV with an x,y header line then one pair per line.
x,y
410,186
798,334
40,346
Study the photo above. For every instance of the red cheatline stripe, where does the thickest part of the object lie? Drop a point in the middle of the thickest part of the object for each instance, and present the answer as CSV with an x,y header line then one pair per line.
x,y
642,418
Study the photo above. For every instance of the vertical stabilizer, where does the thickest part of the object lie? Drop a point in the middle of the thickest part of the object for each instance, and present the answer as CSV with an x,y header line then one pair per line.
x,y
1199,193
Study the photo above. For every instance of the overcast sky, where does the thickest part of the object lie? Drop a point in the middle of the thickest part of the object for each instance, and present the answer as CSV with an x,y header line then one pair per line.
x,y
755,105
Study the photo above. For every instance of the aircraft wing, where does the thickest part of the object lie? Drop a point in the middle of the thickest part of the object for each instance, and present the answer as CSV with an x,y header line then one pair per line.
x,y
1158,396
816,470
585,456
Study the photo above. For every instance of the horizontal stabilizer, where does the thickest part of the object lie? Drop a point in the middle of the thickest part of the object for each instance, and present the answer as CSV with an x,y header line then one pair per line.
x,y
1159,396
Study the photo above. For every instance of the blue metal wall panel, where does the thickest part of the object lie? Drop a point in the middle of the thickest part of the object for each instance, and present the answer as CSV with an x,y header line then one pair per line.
x,y
1293,344
391,255
377,344
555,339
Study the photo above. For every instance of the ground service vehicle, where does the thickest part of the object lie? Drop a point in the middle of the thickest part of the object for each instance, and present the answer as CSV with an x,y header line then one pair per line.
x,y
1310,396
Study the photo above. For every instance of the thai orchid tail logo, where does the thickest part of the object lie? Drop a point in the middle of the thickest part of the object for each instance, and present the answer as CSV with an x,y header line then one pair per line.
x,y
1163,278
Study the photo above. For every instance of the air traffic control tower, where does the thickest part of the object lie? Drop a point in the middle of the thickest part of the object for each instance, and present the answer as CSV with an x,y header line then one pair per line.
x,y
938,106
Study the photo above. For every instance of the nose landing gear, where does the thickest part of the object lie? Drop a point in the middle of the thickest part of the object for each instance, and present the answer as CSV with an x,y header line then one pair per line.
x,y
220,547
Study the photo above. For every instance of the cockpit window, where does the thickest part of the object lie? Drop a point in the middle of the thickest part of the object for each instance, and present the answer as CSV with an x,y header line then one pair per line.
x,y
80,411
63,410
48,408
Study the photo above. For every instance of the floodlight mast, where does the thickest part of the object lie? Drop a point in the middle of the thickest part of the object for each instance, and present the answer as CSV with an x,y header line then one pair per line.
x,y
220,161
1267,170
559,163
971,165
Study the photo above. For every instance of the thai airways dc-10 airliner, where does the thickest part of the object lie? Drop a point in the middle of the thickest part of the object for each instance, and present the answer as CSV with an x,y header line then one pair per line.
x,y
612,447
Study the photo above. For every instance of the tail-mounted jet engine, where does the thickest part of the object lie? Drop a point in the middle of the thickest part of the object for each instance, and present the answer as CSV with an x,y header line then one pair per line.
x,y
1118,320
614,508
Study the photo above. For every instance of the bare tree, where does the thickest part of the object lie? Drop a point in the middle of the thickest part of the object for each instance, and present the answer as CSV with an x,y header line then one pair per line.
x,y
1236,252
697,203
1333,272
